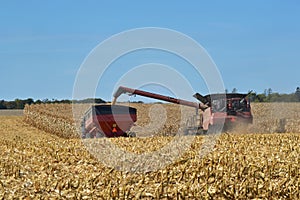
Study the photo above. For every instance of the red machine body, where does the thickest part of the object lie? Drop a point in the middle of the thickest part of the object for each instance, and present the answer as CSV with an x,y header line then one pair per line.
x,y
230,108
108,121
122,90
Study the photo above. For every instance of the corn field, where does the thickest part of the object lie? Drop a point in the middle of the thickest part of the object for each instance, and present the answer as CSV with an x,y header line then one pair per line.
x,y
276,118
38,162
35,165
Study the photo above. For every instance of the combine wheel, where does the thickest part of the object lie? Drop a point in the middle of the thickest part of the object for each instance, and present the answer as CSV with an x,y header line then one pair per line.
x,y
214,129
200,131
191,131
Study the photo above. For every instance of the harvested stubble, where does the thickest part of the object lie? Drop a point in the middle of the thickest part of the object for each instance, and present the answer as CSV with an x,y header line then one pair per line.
x,y
35,165
11,112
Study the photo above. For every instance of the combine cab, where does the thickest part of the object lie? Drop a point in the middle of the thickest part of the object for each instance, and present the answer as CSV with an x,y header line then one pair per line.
x,y
231,109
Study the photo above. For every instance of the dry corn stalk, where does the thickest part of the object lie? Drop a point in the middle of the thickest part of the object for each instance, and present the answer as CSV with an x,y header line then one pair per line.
x,y
53,118
38,165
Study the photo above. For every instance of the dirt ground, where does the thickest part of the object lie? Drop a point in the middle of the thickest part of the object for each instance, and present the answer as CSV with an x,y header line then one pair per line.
x,y
11,112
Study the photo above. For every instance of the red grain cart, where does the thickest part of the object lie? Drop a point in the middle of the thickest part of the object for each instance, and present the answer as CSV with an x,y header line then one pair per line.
x,y
108,121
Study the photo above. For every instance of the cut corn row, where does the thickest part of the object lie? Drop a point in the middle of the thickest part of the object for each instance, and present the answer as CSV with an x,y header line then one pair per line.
x,y
55,119
37,165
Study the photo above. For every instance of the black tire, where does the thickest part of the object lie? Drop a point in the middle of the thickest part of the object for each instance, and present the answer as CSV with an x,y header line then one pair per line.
x,y
214,129
88,135
201,132
186,132
100,135
131,134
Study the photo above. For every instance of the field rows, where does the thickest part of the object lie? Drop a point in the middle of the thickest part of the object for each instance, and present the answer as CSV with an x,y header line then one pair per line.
x,y
35,164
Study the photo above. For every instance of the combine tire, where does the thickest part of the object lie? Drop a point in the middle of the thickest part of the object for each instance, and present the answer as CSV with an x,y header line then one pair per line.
x,y
214,129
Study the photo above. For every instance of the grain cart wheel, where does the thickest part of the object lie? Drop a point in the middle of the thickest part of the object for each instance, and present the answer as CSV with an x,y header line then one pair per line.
x,y
131,134
100,134
185,131
83,131
83,135
88,135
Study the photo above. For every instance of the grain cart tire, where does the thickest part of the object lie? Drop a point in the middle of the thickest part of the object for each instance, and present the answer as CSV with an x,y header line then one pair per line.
x,y
131,134
100,135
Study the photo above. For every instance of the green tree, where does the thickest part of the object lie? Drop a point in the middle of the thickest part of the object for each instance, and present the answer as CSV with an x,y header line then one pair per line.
x,y
274,97
297,93
38,101
234,90
2,104
261,98
10,104
29,101
19,104
269,91
252,96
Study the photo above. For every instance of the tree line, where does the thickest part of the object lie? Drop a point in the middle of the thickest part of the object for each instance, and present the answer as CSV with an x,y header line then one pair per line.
x,y
267,96
20,103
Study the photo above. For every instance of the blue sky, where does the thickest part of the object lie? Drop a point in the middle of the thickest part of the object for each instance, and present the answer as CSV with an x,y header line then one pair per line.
x,y
255,44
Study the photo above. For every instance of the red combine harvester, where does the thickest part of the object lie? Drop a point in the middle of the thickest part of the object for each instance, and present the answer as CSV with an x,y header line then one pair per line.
x,y
231,109
115,120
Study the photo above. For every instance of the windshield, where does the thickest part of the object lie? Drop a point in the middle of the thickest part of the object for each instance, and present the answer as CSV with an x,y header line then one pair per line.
x,y
218,105
231,105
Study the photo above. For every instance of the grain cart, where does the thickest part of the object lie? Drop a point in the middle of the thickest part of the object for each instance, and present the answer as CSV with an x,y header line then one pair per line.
x,y
108,121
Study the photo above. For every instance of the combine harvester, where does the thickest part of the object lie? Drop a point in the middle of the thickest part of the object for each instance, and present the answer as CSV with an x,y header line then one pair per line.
x,y
217,110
